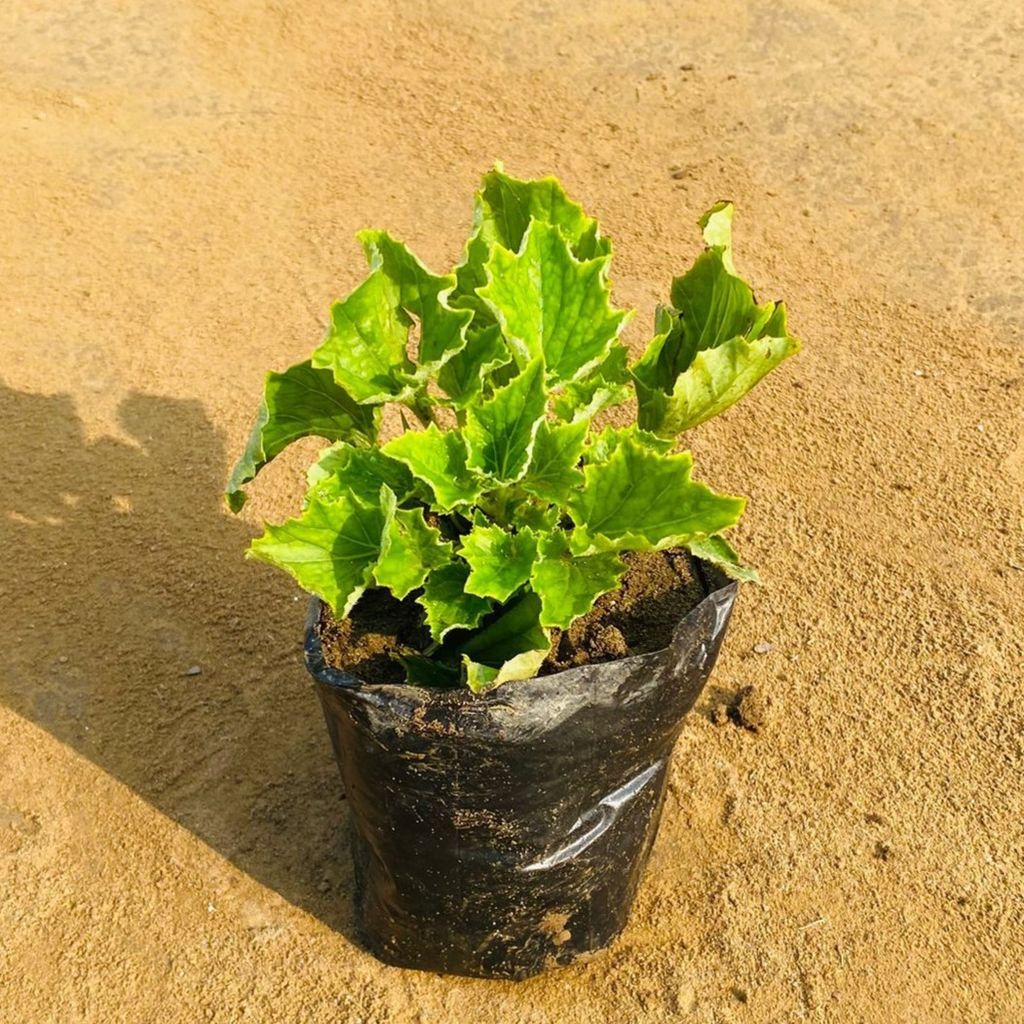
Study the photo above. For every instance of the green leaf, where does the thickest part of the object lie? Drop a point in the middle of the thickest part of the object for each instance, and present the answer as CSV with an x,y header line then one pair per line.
x,y
365,346
718,551
330,549
600,446
639,499
506,205
716,227
462,377
716,379
503,210
660,364
602,388
470,276
422,671
515,631
552,473
438,457
425,296
410,549
550,305
500,562
500,432
300,402
569,585
481,678
714,304
538,516
446,602
363,471
716,348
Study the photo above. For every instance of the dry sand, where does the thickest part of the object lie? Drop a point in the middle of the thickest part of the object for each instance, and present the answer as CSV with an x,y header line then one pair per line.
x,y
181,182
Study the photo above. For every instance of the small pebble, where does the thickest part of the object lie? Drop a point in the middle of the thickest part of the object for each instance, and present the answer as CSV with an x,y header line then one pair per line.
x,y
195,670
763,647
63,659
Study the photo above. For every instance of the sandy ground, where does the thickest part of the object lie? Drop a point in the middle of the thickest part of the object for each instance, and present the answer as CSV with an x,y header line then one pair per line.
x,y
181,183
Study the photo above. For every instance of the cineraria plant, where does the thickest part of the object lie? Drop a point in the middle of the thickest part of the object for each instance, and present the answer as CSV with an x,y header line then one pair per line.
x,y
505,515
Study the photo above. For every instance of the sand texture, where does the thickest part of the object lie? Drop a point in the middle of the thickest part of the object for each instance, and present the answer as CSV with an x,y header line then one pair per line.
x,y
181,184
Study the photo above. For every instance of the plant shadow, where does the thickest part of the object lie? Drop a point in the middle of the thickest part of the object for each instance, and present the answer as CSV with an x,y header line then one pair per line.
x,y
138,636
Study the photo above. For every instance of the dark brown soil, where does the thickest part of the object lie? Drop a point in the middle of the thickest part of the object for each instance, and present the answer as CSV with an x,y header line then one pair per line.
x,y
367,642
656,592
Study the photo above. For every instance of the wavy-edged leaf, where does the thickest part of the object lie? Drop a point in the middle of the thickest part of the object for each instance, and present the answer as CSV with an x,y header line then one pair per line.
x,y
481,678
500,432
567,584
638,500
720,552
601,445
410,549
499,561
437,457
605,386
716,227
503,209
300,402
506,205
552,473
514,631
714,303
425,296
718,345
363,471
462,377
365,347
551,305
716,379
470,276
448,604
538,516
330,549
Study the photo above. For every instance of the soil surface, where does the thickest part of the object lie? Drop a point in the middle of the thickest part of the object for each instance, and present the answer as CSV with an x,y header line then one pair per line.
x,y
657,591
182,181
659,588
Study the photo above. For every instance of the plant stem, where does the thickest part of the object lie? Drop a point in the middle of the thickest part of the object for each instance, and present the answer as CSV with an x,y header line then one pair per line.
x,y
422,408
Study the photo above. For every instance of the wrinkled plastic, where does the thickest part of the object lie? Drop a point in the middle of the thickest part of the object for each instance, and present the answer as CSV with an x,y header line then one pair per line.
x,y
501,834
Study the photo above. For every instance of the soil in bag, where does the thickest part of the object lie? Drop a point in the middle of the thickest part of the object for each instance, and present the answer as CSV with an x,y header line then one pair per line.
x,y
497,835
659,588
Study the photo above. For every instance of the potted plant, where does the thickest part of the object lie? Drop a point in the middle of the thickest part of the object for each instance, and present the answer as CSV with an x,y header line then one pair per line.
x,y
515,603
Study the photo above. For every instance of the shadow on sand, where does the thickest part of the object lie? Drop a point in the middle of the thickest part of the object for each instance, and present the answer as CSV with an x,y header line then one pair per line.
x,y
121,572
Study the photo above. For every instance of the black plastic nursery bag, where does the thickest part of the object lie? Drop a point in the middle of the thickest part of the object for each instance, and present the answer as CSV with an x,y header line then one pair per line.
x,y
501,834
